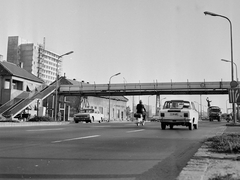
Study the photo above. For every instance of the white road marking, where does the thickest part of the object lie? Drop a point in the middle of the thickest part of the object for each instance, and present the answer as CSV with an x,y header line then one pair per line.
x,y
78,138
99,126
132,124
57,129
136,130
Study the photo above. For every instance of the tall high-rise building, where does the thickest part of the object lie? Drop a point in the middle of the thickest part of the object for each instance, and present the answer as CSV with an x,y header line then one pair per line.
x,y
34,58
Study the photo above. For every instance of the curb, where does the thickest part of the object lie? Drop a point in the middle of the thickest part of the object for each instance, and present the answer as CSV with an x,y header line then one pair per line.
x,y
24,124
233,124
198,165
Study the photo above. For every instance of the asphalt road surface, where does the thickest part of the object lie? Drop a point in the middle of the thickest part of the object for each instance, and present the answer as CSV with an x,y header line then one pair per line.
x,y
103,151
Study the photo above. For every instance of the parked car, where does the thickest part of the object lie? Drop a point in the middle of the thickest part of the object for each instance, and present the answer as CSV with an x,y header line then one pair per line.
x,y
88,115
179,113
154,118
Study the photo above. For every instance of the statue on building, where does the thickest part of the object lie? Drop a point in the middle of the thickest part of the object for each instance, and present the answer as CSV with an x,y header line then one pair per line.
x,y
208,101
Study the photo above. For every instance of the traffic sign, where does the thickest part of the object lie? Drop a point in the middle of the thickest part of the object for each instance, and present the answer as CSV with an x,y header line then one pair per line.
x,y
233,84
234,95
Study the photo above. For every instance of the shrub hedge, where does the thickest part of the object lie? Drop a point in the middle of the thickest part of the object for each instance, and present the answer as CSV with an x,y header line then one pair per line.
x,y
40,119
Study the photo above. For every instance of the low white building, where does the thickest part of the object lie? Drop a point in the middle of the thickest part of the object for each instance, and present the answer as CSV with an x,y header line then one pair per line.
x,y
118,104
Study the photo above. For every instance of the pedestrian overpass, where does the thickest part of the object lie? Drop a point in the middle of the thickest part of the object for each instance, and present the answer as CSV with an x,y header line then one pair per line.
x,y
19,103
131,89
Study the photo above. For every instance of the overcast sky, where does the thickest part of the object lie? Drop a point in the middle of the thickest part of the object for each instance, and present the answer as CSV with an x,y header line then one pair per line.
x,y
144,40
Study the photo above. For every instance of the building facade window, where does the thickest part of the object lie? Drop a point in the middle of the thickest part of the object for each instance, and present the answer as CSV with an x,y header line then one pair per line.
x,y
18,85
7,84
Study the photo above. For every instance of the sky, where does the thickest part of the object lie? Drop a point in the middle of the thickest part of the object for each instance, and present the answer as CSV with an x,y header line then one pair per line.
x,y
144,40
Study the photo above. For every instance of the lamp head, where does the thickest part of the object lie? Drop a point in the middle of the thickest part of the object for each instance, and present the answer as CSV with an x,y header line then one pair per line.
x,y
210,13
69,53
225,60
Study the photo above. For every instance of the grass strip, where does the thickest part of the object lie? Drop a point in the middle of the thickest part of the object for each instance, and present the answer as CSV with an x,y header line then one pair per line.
x,y
225,143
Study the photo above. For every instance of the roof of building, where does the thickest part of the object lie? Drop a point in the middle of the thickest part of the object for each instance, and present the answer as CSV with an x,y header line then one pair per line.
x,y
17,71
118,98
75,82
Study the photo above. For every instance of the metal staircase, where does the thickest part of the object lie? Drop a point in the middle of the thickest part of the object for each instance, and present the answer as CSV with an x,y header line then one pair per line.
x,y
18,104
5,107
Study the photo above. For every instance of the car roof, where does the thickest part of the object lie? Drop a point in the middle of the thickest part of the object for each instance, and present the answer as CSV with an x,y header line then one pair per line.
x,y
177,101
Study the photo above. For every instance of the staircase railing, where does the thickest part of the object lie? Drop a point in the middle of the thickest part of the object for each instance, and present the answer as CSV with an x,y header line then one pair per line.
x,y
46,91
13,102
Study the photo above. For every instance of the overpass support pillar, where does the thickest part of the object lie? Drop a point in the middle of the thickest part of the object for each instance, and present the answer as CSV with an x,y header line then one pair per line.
x,y
158,104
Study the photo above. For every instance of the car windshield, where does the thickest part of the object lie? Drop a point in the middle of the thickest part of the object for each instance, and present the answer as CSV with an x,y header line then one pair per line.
x,y
86,111
176,104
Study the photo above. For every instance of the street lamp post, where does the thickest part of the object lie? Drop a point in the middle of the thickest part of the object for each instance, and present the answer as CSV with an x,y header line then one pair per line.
x,y
227,106
237,81
161,102
110,93
234,65
148,105
201,112
56,94
232,71
198,108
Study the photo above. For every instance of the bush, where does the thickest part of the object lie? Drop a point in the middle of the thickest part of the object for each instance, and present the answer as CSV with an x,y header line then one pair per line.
x,y
226,143
40,119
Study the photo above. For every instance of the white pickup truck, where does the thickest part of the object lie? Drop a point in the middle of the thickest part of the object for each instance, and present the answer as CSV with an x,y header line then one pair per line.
x,y
88,115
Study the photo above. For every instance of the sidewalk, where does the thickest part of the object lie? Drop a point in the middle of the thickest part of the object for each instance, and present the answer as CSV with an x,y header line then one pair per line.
x,y
52,123
15,124
207,165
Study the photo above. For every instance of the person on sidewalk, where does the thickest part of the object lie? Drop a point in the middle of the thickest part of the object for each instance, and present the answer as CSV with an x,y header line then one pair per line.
x,y
59,116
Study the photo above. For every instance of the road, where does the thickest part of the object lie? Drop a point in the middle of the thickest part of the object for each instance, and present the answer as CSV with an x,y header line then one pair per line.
x,y
103,151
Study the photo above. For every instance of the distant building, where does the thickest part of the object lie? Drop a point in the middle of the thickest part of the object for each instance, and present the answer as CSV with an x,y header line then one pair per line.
x,y
118,104
34,58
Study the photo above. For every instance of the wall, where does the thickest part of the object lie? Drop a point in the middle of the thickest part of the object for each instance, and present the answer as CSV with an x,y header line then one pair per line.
x,y
117,108
5,91
102,104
